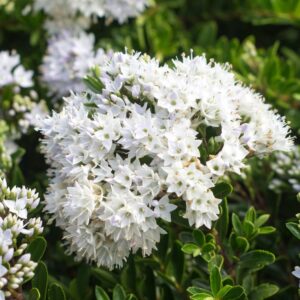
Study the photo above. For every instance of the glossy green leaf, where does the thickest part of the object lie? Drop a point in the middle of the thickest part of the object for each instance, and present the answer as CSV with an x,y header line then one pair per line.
x,y
263,291
37,248
215,280
104,276
119,293
242,244
199,237
56,292
128,275
236,223
34,294
189,248
40,280
294,229
248,228
83,278
234,293
251,215
222,190
256,259
101,294
94,84
223,221
202,296
195,290
266,230
261,220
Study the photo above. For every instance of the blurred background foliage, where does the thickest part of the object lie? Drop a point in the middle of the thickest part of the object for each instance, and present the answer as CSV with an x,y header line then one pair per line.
x,y
261,40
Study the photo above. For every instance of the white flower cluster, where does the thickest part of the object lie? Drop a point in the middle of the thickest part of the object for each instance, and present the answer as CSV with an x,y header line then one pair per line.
x,y
69,57
17,229
12,72
69,14
17,111
286,168
120,155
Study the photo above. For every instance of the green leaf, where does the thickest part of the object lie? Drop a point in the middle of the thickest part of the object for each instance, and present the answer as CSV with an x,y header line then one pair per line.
x,y
17,155
148,286
256,260
222,190
242,244
223,221
294,229
128,275
17,177
266,230
82,279
94,84
248,228
223,291
34,294
101,294
104,276
215,280
261,220
263,291
236,223
216,260
251,215
195,290
73,289
202,296
40,280
119,293
228,281
37,248
199,237
189,248
166,278
56,292
233,293
208,247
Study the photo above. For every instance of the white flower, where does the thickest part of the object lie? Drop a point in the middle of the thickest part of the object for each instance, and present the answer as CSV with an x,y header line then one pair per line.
x,y
286,169
163,208
16,265
82,202
17,207
22,77
11,72
296,273
5,239
3,270
120,156
68,14
68,59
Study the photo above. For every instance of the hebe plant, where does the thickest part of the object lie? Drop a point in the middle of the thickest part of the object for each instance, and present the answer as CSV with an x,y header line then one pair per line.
x,y
241,256
231,257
